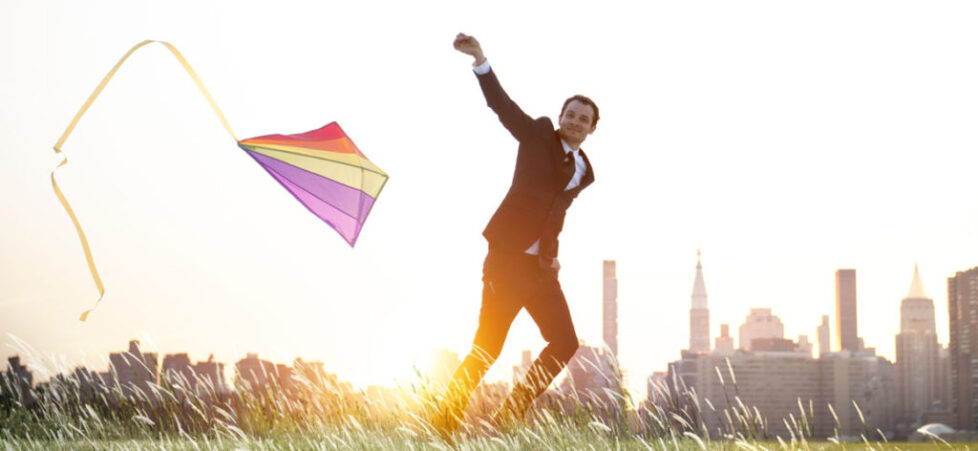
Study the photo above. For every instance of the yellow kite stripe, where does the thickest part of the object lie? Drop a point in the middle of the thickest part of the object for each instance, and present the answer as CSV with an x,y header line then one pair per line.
x,y
352,176
345,158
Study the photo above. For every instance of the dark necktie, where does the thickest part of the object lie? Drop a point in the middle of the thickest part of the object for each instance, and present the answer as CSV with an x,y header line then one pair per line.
x,y
570,165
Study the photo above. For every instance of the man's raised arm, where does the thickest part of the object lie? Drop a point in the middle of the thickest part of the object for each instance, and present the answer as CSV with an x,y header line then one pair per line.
x,y
513,118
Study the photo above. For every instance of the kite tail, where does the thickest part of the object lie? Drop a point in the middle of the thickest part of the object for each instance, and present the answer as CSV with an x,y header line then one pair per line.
x,y
84,241
74,122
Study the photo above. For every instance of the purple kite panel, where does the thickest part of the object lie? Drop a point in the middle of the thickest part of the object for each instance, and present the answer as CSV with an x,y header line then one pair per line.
x,y
348,227
351,201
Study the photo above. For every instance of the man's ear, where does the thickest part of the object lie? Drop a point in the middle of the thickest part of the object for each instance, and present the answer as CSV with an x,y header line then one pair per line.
x,y
593,128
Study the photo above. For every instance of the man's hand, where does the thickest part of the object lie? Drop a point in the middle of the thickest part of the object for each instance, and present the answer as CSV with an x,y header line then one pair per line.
x,y
470,46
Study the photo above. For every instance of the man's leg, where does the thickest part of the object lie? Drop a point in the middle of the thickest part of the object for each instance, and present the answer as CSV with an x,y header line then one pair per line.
x,y
498,311
549,310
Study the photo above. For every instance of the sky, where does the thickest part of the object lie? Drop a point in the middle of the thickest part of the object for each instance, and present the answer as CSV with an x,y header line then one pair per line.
x,y
784,139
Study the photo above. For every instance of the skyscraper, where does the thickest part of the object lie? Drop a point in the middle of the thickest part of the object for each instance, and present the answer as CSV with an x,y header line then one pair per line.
x,y
134,369
610,306
916,355
824,337
699,314
847,335
760,323
962,306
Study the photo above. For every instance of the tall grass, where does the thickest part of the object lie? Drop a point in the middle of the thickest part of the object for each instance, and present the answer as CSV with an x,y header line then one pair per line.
x,y
312,410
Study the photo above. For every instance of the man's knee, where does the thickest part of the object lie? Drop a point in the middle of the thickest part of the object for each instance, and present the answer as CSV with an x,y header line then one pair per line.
x,y
485,354
566,346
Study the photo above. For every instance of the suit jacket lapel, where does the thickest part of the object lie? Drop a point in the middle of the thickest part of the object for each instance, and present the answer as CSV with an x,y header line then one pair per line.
x,y
588,172
559,160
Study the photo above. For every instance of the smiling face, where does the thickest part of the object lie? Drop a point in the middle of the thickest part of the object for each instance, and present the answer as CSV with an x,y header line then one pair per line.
x,y
576,122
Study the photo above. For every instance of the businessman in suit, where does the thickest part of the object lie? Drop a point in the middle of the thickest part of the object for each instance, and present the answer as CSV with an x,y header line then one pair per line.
x,y
520,270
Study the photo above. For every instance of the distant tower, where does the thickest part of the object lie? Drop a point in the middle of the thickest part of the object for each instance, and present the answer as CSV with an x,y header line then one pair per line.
x,y
962,306
699,314
804,346
760,323
724,343
610,309
917,354
824,336
847,336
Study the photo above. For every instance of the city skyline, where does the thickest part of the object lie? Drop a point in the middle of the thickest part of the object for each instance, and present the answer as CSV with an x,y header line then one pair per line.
x,y
609,301
927,383
897,397
786,152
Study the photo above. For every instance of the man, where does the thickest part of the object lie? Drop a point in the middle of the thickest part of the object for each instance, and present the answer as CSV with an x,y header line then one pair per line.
x,y
521,268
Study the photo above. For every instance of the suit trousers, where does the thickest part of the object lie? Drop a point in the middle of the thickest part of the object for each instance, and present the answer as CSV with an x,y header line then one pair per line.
x,y
512,282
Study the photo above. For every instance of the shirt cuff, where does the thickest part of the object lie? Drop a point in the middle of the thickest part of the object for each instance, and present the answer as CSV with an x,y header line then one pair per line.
x,y
482,69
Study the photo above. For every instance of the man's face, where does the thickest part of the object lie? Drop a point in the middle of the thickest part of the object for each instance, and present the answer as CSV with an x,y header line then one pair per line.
x,y
575,122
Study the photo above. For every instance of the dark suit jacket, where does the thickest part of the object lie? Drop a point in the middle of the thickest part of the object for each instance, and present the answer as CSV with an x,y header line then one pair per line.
x,y
536,203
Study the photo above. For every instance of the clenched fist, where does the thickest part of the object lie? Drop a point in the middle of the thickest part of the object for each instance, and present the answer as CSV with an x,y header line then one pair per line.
x,y
469,46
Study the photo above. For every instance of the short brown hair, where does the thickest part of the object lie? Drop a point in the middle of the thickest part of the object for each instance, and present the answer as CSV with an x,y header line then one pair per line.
x,y
585,100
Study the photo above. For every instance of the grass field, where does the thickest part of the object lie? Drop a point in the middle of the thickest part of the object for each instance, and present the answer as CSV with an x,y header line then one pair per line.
x,y
311,410
559,439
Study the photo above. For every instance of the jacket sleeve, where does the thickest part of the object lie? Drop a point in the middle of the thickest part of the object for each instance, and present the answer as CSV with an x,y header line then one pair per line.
x,y
513,118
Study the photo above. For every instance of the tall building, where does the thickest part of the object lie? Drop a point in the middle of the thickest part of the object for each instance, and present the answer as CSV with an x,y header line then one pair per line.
x,y
592,369
857,379
17,383
210,377
944,378
202,378
177,370
804,345
760,324
771,384
724,343
962,306
657,388
135,370
824,336
699,313
259,375
595,381
847,335
610,306
917,355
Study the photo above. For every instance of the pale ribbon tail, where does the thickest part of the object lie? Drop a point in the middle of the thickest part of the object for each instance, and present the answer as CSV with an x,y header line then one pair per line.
x,y
74,122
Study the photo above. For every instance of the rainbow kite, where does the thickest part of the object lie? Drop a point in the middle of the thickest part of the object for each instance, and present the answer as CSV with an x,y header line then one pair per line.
x,y
325,171
322,168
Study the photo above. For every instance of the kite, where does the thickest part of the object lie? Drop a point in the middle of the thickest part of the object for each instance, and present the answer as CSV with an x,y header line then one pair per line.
x,y
322,168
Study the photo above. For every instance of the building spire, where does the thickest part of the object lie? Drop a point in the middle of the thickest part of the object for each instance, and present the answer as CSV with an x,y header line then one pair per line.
x,y
916,286
699,286
699,314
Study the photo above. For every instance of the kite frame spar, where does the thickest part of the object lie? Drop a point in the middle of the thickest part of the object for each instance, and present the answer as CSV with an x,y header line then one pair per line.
x,y
363,164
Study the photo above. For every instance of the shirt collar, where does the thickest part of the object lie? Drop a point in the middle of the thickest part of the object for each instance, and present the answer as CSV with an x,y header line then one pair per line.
x,y
567,148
